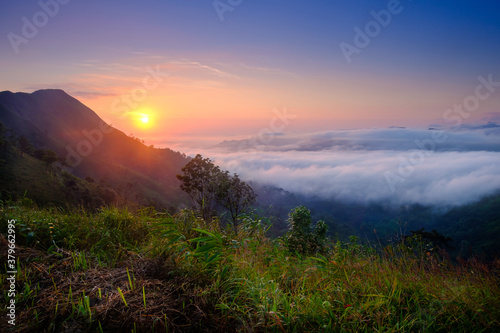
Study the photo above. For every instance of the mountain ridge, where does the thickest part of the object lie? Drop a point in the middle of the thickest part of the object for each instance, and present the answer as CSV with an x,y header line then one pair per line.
x,y
87,146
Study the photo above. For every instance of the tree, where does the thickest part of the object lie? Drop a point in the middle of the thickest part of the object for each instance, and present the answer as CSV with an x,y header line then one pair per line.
x,y
200,181
3,139
428,240
2,134
38,154
208,186
49,157
25,145
3,144
302,238
234,195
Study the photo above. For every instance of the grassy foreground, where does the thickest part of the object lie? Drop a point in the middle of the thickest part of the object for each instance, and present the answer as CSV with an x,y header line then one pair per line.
x,y
117,271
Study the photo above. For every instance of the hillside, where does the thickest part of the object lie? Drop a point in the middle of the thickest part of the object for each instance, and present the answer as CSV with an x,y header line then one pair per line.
x,y
87,147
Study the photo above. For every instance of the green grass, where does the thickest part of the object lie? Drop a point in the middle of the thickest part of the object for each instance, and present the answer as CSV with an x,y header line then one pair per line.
x,y
117,270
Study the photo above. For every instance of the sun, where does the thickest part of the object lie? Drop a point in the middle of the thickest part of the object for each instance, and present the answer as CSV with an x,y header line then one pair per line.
x,y
144,118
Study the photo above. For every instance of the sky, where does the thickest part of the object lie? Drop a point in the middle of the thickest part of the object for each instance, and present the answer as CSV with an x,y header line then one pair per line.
x,y
206,71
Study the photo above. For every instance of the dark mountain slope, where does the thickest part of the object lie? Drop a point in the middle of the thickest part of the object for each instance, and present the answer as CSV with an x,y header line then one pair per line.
x,y
47,117
51,119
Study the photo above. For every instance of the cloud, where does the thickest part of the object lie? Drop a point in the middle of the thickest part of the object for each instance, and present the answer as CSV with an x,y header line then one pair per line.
x,y
186,66
92,94
357,166
444,179
481,137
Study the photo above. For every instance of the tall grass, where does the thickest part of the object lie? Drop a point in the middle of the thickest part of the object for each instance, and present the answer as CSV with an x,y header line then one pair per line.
x,y
117,270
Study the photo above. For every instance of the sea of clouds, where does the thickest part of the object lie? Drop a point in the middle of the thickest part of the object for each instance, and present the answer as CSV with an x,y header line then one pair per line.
x,y
392,166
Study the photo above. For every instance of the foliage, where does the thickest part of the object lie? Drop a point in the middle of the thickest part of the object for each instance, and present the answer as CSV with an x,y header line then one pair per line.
x,y
234,195
200,183
2,134
48,156
302,237
208,186
422,244
25,145
430,239
118,270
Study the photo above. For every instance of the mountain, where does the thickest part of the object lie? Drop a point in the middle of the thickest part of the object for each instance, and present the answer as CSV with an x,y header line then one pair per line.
x,y
88,147
47,117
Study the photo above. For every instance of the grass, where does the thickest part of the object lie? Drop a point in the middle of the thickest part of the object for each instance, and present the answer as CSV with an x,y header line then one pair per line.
x,y
147,272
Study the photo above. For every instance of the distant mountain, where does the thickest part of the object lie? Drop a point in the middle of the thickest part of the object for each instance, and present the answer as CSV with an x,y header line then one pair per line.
x,y
87,146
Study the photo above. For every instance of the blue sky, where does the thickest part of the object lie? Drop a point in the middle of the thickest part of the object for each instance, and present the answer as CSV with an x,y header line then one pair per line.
x,y
265,54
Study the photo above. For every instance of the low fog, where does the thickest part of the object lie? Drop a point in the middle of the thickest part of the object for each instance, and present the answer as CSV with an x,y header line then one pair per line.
x,y
391,166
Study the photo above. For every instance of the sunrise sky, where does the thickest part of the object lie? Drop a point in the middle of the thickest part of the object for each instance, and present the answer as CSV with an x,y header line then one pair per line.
x,y
222,69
